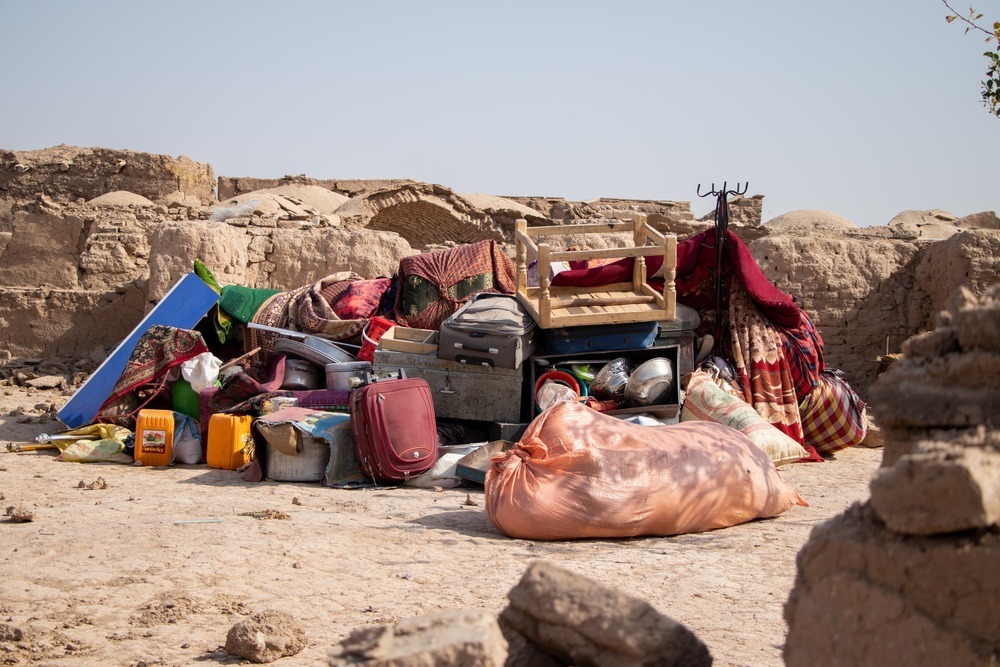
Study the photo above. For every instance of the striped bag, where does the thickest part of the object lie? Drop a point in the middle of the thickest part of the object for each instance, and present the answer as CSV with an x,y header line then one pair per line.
x,y
833,417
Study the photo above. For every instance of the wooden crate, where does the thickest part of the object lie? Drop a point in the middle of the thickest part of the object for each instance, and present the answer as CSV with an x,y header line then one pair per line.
x,y
413,341
568,306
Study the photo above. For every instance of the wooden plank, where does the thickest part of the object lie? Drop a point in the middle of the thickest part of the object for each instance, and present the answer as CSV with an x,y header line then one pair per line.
x,y
530,305
525,238
586,228
606,253
610,302
654,235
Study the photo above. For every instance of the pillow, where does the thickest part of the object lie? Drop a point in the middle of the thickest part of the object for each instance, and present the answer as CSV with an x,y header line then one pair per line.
x,y
705,401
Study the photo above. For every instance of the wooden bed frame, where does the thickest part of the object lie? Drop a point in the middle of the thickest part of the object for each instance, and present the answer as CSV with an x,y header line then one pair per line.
x,y
569,306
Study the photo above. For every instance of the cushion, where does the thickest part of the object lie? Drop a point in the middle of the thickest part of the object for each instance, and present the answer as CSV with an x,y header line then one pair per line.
x,y
706,401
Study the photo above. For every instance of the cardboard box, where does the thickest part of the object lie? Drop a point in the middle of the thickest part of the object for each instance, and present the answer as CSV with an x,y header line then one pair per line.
x,y
405,339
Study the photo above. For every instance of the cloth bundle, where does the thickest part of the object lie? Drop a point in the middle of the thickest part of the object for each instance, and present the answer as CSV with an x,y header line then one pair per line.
x,y
833,416
577,473
433,285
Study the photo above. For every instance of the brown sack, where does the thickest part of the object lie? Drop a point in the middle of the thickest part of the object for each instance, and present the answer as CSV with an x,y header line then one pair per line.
x,y
577,473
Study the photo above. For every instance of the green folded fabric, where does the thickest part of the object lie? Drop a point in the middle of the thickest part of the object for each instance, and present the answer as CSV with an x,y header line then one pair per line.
x,y
206,275
221,322
244,302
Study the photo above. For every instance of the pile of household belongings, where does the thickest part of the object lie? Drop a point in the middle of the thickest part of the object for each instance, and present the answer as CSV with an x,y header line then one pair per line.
x,y
759,397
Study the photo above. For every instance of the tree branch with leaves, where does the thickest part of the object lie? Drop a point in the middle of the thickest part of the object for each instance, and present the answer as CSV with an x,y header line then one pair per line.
x,y
972,21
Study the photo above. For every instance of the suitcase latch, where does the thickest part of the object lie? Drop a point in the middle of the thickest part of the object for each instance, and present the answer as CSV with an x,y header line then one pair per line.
x,y
446,389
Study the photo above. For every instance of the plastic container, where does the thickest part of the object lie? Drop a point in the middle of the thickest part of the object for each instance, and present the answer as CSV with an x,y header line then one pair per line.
x,y
347,376
154,437
185,399
230,444
370,335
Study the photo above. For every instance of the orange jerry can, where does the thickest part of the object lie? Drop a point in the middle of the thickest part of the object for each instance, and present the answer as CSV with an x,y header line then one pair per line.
x,y
154,437
230,444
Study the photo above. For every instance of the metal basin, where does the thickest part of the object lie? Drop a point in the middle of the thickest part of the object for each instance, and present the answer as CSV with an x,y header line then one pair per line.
x,y
610,381
652,383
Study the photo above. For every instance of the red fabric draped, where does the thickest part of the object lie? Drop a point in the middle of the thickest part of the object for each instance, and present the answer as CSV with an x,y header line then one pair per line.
x,y
696,260
774,343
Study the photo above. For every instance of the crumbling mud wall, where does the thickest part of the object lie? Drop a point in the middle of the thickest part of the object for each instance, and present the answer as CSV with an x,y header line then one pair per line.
x,y
859,290
867,289
557,210
912,577
82,277
68,173
233,186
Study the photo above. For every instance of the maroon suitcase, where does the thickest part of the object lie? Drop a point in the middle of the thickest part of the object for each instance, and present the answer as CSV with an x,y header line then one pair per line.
x,y
395,433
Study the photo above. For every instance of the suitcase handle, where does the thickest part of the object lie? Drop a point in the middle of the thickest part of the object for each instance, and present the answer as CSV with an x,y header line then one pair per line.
x,y
487,350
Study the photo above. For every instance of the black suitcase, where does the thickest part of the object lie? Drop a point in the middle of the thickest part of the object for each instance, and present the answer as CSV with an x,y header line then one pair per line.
x,y
490,330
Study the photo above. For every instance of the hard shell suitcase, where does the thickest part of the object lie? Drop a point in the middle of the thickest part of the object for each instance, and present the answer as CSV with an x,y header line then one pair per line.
x,y
230,443
394,428
601,338
489,330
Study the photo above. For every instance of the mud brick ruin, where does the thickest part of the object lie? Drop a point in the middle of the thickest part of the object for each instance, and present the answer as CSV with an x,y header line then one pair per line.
x,y
90,237
916,571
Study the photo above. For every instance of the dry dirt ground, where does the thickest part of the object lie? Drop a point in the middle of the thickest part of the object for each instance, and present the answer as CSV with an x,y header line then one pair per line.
x,y
155,568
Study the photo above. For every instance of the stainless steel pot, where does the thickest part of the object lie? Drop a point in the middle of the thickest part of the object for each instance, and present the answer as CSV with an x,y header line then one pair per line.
x,y
609,383
300,375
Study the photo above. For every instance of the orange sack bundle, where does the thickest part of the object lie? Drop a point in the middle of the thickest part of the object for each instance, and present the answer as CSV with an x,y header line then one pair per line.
x,y
578,473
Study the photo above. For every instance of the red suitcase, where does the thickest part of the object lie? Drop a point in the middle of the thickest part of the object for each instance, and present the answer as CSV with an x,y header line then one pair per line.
x,y
395,433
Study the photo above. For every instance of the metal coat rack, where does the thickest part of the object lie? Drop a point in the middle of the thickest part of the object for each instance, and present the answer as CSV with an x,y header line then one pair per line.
x,y
721,232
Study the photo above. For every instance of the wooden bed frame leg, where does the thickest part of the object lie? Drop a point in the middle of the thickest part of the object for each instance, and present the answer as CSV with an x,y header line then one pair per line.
x,y
669,275
521,254
544,280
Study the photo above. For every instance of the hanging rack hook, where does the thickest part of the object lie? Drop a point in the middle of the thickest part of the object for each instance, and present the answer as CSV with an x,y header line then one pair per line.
x,y
713,191
738,192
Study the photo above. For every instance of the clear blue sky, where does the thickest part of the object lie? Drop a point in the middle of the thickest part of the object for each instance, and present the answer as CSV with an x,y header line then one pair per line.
x,y
860,107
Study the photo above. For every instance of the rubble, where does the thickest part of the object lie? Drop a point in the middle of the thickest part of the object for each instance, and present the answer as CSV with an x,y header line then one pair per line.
x,y
583,622
451,637
265,637
910,577
555,617
19,514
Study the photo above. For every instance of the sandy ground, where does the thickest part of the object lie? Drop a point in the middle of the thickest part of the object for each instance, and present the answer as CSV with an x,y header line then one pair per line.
x,y
116,577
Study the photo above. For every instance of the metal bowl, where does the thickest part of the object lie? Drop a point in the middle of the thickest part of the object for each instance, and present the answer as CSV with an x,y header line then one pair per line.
x,y
610,381
651,383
